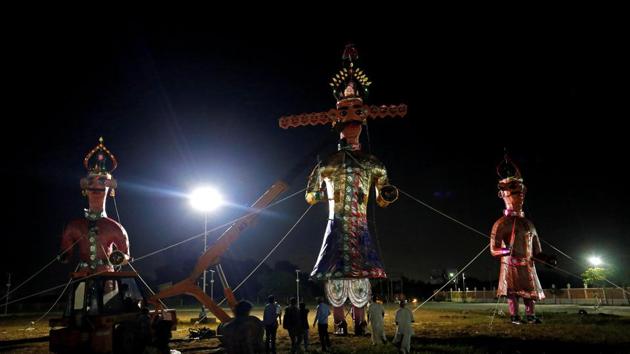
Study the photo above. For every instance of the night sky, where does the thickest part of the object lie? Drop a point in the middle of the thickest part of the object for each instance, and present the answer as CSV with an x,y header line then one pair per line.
x,y
181,102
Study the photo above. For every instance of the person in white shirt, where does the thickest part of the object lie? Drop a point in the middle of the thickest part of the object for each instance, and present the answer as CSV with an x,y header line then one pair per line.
x,y
404,329
376,314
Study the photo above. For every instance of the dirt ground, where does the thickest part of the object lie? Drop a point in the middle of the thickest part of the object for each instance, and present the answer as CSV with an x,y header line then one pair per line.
x,y
439,328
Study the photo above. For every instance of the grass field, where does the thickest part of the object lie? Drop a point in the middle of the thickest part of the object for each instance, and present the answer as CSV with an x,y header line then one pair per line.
x,y
439,328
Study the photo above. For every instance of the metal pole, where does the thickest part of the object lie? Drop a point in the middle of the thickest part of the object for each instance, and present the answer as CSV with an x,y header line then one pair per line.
x,y
205,247
212,284
297,284
464,285
6,301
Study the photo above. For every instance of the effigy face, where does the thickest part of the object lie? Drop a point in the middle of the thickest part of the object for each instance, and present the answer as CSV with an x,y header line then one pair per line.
x,y
351,110
96,192
513,194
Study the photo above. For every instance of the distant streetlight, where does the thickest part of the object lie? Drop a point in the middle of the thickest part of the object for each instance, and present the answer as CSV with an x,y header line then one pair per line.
x,y
595,273
452,276
595,261
205,199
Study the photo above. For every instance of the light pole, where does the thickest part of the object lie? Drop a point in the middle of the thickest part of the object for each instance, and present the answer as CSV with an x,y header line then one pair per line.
x,y
205,246
297,284
205,199
212,284
464,286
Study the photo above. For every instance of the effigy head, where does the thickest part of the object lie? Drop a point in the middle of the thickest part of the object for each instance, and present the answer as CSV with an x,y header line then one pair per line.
x,y
350,88
99,163
511,187
350,110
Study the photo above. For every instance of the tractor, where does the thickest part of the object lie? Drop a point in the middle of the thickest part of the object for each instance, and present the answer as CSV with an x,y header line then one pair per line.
x,y
107,312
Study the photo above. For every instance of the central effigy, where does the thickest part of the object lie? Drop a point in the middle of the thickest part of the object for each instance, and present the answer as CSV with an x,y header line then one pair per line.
x,y
348,257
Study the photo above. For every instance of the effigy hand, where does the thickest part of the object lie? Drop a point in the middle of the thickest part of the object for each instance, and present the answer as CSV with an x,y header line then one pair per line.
x,y
499,252
389,193
320,195
117,258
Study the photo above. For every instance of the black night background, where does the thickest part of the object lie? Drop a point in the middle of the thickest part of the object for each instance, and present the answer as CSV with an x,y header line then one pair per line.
x,y
183,102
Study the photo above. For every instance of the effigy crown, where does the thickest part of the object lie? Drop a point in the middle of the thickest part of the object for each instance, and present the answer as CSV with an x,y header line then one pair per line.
x,y
350,88
100,162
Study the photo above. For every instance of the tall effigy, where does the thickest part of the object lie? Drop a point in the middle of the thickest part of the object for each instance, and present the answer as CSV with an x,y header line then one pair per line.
x,y
102,242
348,257
515,242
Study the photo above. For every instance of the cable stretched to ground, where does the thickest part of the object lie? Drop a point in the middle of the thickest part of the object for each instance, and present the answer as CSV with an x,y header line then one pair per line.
x,y
56,301
41,269
55,287
452,278
270,252
443,214
139,258
217,227
145,283
555,267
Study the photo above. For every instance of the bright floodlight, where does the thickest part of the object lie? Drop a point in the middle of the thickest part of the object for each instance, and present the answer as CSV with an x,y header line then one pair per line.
x,y
595,261
205,199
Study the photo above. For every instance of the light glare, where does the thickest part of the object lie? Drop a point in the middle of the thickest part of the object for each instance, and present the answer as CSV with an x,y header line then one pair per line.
x,y
205,199
595,261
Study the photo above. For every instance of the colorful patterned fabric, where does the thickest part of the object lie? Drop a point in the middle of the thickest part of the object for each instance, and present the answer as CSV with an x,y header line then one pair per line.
x,y
347,250
357,290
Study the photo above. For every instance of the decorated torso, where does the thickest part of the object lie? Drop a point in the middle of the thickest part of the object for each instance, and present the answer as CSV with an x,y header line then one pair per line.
x,y
96,237
523,241
347,250
348,176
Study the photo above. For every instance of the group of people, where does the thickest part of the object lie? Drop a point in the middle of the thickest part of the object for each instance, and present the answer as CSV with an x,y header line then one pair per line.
x,y
295,321
403,319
